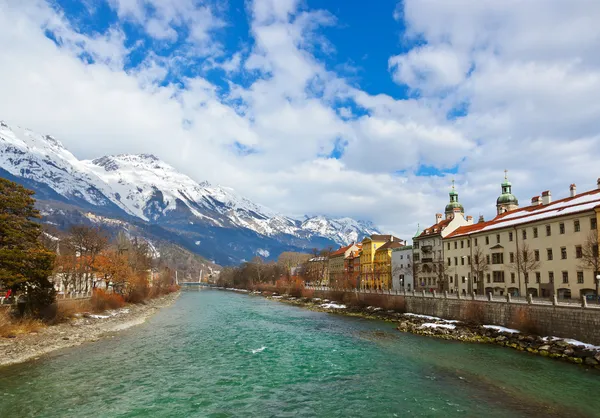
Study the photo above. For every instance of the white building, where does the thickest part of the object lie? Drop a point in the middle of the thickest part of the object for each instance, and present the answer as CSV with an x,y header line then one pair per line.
x,y
402,268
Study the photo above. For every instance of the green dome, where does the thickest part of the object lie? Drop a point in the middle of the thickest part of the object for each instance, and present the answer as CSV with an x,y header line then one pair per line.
x,y
507,198
452,205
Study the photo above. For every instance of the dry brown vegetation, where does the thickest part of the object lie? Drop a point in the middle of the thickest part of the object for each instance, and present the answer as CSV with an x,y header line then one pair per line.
x,y
11,326
102,301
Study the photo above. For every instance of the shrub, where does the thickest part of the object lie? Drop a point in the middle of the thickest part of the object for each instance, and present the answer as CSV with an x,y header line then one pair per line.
x,y
308,293
11,326
67,309
102,300
138,289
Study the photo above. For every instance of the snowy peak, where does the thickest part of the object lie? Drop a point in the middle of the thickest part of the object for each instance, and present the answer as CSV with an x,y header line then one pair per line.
x,y
43,159
341,230
143,186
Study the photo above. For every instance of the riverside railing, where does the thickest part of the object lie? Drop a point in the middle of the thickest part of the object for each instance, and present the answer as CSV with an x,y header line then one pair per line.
x,y
528,300
74,295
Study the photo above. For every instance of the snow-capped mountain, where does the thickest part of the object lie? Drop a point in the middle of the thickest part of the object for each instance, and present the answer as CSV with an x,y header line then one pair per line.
x,y
44,160
142,188
342,230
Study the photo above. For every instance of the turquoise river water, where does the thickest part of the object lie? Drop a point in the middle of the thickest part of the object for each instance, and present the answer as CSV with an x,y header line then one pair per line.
x,y
221,354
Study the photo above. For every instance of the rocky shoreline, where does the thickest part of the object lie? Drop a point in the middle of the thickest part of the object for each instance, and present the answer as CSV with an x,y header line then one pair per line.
x,y
85,328
564,349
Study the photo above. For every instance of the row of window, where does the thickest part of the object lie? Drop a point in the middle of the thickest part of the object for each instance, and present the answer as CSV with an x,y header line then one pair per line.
x,y
498,277
561,230
498,258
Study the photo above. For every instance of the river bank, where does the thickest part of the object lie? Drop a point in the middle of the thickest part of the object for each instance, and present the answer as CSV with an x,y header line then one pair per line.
x,y
564,349
84,328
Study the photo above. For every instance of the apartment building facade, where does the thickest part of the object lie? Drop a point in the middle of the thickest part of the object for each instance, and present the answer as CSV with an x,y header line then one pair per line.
x,y
544,249
370,245
338,267
428,251
402,268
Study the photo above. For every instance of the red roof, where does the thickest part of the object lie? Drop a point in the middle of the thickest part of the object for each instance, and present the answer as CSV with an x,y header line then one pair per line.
x,y
578,203
435,228
341,251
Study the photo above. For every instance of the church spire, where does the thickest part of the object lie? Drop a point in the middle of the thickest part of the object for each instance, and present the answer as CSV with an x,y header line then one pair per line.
x,y
454,204
507,201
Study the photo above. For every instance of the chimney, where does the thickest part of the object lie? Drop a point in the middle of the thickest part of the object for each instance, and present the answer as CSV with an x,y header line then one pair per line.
x,y
438,218
572,190
546,197
481,219
536,200
469,218
598,182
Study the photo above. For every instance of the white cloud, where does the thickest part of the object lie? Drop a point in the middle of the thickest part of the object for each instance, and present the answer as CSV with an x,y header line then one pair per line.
x,y
161,20
528,74
429,69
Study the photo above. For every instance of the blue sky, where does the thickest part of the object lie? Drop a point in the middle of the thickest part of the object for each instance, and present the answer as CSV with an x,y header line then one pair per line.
x,y
357,43
320,107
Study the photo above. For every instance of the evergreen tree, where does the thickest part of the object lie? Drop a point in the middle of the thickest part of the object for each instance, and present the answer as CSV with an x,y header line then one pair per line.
x,y
25,265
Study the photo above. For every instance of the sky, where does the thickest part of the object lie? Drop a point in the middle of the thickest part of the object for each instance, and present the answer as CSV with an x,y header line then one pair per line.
x,y
343,108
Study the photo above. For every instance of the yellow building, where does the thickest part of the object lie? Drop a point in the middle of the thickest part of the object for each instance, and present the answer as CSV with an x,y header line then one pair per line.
x,y
367,259
382,265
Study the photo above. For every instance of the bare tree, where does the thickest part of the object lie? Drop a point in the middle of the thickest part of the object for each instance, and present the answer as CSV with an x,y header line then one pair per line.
x,y
524,262
590,257
259,267
441,270
479,265
290,259
87,242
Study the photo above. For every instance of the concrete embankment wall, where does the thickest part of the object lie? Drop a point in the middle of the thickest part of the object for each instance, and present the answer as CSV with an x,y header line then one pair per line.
x,y
561,321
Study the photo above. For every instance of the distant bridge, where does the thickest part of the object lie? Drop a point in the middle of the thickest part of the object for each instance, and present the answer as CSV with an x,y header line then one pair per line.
x,y
196,284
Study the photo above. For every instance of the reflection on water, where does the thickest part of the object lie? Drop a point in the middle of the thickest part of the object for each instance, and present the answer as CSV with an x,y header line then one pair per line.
x,y
223,354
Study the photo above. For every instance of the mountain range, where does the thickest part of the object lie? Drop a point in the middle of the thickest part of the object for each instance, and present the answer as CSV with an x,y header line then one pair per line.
x,y
142,192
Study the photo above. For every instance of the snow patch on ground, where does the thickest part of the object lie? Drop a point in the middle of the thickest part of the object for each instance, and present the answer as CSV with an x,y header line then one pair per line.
x,y
333,306
574,342
502,329
435,318
263,253
432,325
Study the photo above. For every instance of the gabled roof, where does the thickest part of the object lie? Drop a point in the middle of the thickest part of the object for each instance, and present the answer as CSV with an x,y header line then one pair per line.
x,y
579,203
435,228
341,251
390,245
381,237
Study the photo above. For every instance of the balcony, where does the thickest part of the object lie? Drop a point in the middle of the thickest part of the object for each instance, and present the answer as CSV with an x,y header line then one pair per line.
x,y
427,260
426,248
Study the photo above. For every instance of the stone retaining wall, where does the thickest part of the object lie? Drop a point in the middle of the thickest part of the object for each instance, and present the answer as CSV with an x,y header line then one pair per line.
x,y
547,320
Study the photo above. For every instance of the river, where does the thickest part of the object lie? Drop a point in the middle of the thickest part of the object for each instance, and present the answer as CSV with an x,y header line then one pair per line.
x,y
221,354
